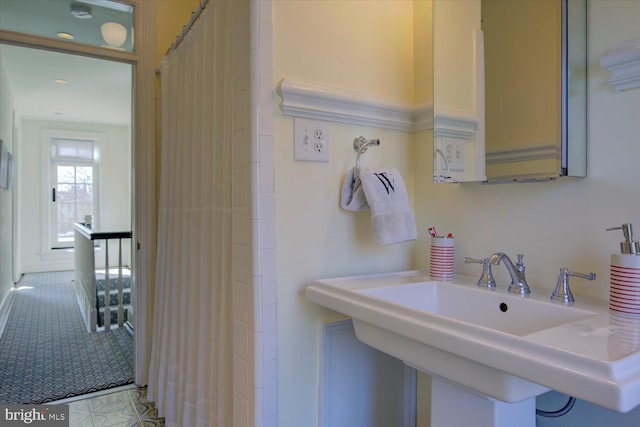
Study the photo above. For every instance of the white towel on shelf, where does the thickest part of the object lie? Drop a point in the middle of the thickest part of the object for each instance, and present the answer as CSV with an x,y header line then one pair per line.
x,y
386,195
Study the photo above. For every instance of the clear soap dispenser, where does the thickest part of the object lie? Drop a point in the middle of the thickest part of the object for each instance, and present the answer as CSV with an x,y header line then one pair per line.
x,y
624,278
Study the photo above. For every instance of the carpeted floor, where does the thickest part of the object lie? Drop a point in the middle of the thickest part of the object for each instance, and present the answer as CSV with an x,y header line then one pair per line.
x,y
47,354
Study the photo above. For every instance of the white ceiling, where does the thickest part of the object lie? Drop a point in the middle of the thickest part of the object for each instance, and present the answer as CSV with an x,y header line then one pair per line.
x,y
97,91
47,17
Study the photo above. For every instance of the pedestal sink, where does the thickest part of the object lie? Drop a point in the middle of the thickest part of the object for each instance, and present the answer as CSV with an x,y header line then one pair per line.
x,y
491,350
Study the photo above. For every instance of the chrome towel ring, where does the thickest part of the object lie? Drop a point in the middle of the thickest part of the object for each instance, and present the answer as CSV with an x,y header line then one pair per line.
x,y
360,145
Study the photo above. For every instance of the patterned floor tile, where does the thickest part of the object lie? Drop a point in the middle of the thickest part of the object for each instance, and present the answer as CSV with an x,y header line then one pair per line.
x,y
128,408
114,403
155,423
147,410
115,420
80,407
81,420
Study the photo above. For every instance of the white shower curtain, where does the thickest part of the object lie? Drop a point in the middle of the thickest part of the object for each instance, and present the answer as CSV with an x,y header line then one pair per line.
x,y
191,356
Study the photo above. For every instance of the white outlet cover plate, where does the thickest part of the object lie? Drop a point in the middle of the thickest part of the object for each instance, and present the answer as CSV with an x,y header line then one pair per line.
x,y
454,152
306,145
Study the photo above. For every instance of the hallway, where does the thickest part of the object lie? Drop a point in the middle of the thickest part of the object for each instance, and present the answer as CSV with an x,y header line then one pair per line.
x,y
47,353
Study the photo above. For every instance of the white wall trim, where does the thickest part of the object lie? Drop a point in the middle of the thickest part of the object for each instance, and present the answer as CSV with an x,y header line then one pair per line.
x,y
5,308
422,116
145,215
534,152
455,124
314,101
623,61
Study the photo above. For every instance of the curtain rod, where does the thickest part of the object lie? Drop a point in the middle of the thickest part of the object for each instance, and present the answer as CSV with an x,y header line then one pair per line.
x,y
194,17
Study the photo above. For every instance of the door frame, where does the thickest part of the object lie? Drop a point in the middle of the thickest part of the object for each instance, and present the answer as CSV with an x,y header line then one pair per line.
x,y
144,214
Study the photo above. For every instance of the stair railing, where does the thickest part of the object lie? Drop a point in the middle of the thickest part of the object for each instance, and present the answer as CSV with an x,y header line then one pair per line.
x,y
85,277
107,288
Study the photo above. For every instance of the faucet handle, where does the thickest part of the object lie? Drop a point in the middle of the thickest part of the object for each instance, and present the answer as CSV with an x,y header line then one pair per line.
x,y
520,263
486,279
562,293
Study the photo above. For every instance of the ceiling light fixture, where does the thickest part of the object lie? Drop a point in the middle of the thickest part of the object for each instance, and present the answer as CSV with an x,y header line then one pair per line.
x,y
60,81
81,11
64,35
114,34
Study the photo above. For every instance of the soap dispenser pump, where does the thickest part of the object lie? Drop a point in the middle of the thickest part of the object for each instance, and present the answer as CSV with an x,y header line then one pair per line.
x,y
624,293
629,246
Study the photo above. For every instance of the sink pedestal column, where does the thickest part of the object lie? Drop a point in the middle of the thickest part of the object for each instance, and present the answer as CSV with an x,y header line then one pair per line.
x,y
455,406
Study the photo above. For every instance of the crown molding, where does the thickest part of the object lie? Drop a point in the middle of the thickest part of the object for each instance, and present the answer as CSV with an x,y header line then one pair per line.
x,y
623,61
314,101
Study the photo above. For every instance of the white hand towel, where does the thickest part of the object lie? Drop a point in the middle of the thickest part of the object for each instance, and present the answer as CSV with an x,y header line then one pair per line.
x,y
353,198
386,195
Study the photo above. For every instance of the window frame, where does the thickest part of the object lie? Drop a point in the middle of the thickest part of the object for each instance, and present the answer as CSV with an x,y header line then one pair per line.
x,y
48,221
55,242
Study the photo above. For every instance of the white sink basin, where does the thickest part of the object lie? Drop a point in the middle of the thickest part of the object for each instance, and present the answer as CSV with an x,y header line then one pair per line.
x,y
498,311
459,332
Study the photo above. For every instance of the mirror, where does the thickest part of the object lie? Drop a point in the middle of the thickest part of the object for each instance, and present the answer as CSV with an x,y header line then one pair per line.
x,y
509,90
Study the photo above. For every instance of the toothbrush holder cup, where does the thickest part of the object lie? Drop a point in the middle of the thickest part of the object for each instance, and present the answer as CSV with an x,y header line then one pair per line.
x,y
441,258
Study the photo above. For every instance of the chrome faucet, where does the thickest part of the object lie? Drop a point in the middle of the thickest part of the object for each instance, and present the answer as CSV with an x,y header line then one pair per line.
x,y
518,282
486,279
563,293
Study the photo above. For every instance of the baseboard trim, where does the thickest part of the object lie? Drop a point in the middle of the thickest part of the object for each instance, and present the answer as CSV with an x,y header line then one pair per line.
x,y
5,309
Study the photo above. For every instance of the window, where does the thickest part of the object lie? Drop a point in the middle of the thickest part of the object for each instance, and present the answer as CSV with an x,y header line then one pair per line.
x,y
73,192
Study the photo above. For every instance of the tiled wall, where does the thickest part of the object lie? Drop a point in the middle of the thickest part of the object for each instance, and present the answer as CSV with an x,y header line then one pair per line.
x,y
242,238
254,289
264,228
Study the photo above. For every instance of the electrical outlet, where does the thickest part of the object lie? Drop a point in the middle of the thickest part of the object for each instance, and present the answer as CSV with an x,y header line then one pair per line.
x,y
454,153
311,140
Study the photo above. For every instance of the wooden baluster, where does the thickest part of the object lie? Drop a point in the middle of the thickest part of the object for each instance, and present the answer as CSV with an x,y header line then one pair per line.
x,y
120,292
107,286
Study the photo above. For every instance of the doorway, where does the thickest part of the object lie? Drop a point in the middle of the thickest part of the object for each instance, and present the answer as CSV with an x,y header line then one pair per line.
x,y
141,57
72,147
